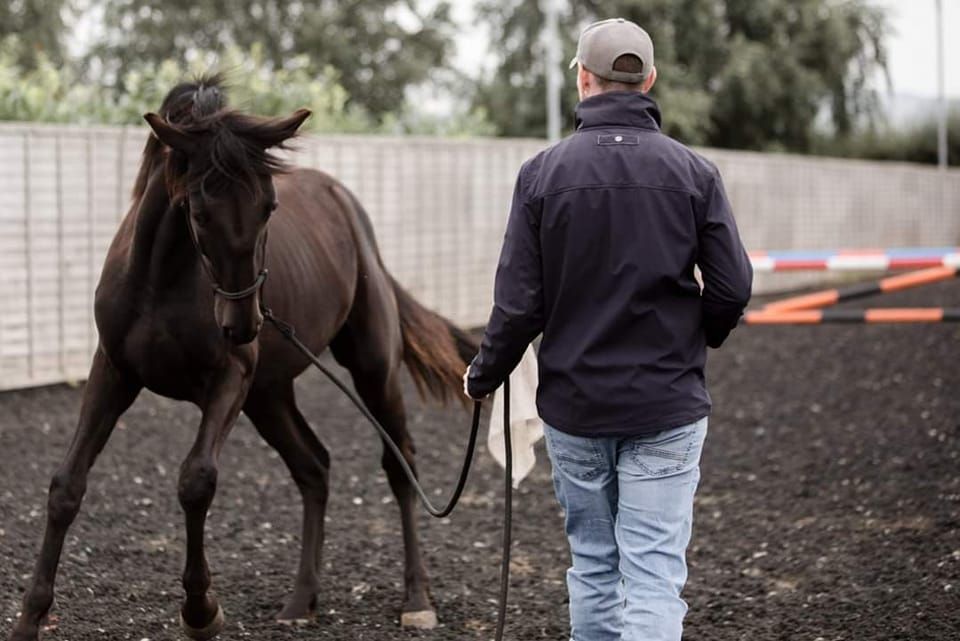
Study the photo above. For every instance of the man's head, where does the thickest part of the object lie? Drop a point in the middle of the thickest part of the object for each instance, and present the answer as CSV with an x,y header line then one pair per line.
x,y
614,55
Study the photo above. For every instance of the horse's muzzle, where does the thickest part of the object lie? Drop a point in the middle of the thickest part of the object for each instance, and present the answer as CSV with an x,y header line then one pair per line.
x,y
240,336
240,324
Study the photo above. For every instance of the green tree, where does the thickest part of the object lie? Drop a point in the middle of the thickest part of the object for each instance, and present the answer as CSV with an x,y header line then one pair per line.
x,y
913,143
752,74
38,25
51,93
378,48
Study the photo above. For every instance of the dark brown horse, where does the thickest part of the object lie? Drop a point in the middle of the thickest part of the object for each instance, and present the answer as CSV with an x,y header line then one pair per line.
x,y
178,309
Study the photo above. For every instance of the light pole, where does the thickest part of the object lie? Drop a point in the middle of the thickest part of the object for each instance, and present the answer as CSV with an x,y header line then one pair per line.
x,y
942,159
551,36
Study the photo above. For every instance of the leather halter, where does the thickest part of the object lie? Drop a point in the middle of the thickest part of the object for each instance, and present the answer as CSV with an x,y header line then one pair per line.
x,y
214,283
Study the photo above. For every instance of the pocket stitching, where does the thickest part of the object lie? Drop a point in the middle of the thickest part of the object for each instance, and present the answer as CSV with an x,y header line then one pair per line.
x,y
593,464
665,453
681,459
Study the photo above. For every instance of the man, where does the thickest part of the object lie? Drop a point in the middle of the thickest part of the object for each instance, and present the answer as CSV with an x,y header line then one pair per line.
x,y
599,255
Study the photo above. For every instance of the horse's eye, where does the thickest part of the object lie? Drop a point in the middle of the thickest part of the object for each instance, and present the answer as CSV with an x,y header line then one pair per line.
x,y
272,207
200,217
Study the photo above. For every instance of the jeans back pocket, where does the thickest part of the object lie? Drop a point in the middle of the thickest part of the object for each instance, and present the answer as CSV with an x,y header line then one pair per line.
x,y
576,456
668,452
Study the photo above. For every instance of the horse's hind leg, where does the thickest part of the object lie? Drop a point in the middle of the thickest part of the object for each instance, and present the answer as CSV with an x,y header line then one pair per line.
x,y
376,376
275,415
106,396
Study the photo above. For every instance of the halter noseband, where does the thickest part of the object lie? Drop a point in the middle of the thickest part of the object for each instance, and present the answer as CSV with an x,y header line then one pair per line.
x,y
214,283
243,293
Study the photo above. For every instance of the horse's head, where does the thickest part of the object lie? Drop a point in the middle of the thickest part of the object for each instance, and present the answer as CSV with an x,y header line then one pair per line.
x,y
220,177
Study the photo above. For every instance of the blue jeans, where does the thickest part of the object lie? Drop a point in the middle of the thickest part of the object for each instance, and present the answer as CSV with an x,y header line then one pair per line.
x,y
629,510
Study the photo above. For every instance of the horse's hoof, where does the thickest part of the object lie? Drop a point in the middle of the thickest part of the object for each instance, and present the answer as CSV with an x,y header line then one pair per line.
x,y
422,620
209,631
24,635
299,611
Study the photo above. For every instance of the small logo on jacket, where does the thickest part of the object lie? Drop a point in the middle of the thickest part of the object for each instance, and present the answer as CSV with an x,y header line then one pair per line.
x,y
618,139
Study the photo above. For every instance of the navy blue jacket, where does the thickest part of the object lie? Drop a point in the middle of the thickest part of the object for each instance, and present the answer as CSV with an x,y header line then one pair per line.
x,y
599,254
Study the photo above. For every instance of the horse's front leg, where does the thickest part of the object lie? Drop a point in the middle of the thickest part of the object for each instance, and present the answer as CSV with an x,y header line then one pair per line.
x,y
201,616
107,395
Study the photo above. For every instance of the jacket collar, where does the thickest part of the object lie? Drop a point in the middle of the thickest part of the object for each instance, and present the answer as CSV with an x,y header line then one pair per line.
x,y
619,108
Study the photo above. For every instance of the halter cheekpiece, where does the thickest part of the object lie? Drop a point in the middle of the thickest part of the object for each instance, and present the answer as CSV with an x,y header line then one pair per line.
x,y
214,283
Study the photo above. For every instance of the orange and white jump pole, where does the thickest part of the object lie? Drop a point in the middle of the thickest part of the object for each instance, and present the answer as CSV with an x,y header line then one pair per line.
x,y
829,297
856,316
855,259
808,309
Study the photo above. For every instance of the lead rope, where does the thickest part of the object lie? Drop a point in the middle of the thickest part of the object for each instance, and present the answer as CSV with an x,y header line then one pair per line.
x,y
287,331
507,512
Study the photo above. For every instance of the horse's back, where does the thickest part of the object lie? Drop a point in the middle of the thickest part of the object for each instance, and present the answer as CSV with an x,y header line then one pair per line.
x,y
315,200
317,254
313,222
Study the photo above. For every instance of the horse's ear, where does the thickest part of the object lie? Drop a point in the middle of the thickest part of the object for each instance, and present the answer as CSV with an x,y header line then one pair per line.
x,y
170,135
278,130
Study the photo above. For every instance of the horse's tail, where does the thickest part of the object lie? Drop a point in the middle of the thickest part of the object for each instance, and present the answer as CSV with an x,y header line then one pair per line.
x,y
434,350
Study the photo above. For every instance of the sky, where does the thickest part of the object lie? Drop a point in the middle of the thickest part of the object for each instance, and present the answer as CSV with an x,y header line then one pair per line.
x,y
913,53
912,45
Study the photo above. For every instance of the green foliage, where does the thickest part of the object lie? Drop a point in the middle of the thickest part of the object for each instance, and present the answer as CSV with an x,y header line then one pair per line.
x,y
750,74
38,25
462,123
254,86
49,93
915,144
41,93
378,48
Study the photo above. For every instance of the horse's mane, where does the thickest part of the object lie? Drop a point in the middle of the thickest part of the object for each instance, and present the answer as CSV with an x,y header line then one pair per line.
x,y
236,143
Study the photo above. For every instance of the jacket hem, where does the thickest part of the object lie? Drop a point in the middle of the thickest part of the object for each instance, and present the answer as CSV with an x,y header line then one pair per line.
x,y
629,427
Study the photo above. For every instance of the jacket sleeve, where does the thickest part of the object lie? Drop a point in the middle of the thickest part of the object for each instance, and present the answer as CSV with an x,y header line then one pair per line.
x,y
724,265
517,316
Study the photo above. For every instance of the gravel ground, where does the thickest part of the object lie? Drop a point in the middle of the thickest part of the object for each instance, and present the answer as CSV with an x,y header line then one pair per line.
x,y
829,507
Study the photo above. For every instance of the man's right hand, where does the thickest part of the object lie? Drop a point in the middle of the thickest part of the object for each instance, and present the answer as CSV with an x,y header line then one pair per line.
x,y
466,386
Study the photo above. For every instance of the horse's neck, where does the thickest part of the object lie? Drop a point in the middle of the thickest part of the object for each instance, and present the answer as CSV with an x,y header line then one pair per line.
x,y
161,249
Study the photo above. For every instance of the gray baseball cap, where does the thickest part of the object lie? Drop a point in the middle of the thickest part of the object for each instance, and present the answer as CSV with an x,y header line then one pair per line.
x,y
603,42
